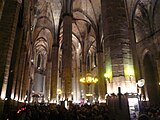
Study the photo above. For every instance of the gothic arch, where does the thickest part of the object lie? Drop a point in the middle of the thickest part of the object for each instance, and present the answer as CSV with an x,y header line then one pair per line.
x,y
150,76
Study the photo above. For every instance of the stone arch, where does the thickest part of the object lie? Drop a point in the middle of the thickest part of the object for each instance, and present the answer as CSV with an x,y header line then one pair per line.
x,y
141,22
149,70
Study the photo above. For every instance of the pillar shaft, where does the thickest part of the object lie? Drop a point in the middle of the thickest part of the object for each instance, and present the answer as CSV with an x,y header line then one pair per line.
x,y
8,26
78,91
113,32
67,56
27,79
101,79
17,69
48,80
84,72
25,75
25,66
158,77
119,50
54,75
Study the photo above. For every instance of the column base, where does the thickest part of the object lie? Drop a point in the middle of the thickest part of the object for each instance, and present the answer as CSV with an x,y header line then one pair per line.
x,y
127,86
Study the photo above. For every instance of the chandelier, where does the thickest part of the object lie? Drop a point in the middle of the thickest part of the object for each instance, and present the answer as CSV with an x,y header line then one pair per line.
x,y
88,79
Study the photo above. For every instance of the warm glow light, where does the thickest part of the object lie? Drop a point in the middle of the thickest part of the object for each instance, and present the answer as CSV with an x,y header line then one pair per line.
x,y
108,72
4,87
59,91
32,60
3,96
21,101
102,101
128,70
147,99
88,79
12,96
53,101
46,101
89,95
126,87
108,77
66,104
16,99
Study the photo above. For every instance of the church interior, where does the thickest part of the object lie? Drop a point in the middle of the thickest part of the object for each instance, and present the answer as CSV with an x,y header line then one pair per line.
x,y
79,51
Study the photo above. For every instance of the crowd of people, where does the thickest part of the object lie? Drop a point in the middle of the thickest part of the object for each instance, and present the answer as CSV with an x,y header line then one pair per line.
x,y
149,113
75,112
59,112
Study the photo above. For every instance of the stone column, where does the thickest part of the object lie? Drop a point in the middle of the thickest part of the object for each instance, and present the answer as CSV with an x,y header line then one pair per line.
x,y
48,80
25,75
77,82
158,66
54,73
18,62
117,35
101,80
74,69
158,75
8,25
20,76
26,78
67,56
84,72
24,57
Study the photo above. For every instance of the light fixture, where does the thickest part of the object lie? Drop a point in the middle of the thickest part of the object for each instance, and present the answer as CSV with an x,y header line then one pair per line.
x,y
32,60
107,77
59,91
130,77
89,79
89,95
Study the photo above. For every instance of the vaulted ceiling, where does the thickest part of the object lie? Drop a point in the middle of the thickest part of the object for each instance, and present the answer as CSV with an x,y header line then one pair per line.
x,y
47,21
